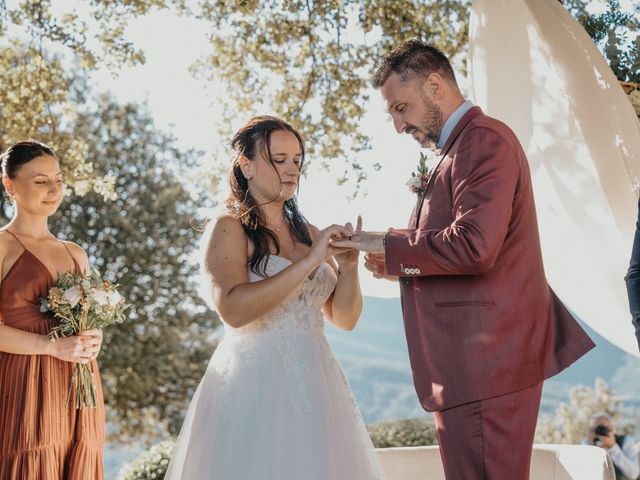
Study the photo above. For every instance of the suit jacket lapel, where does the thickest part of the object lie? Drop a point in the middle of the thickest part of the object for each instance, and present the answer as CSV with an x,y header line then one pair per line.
x,y
459,128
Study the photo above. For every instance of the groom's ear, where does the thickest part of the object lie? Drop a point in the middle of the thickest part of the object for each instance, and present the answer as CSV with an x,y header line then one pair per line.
x,y
434,85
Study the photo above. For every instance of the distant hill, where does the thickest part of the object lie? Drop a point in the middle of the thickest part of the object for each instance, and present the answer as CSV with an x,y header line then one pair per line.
x,y
375,359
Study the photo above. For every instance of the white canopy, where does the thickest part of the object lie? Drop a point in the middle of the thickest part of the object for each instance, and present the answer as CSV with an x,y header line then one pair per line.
x,y
535,68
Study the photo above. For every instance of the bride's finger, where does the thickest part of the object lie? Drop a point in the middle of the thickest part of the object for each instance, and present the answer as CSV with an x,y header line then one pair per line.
x,y
359,224
349,227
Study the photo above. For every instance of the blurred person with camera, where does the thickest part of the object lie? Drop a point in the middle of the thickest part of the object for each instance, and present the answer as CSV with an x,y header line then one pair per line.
x,y
621,448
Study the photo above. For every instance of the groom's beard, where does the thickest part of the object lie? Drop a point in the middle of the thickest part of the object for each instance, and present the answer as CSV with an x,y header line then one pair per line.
x,y
428,132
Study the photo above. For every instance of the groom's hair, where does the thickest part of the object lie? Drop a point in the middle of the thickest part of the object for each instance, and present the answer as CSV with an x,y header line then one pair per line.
x,y
413,59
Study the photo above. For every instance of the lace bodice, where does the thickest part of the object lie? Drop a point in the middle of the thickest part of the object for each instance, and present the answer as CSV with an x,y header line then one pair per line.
x,y
301,310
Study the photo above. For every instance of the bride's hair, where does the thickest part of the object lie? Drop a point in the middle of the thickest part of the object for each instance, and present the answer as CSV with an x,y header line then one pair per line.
x,y
253,138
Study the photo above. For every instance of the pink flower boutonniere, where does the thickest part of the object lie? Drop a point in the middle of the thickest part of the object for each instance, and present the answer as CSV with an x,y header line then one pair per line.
x,y
419,181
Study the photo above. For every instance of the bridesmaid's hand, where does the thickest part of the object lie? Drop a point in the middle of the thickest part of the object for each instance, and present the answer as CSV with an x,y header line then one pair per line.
x,y
95,337
81,348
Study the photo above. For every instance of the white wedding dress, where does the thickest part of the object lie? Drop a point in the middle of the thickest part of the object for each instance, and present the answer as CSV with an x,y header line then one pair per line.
x,y
274,403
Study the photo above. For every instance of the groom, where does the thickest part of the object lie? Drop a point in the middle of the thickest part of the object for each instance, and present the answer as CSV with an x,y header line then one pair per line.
x,y
483,327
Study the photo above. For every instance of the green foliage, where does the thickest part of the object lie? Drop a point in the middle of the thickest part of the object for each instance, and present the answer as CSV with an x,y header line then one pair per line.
x,y
412,432
143,240
617,33
310,61
306,61
151,464
571,422
141,237
36,102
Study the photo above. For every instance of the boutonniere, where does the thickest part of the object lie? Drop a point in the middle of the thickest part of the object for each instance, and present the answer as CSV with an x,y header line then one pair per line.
x,y
420,179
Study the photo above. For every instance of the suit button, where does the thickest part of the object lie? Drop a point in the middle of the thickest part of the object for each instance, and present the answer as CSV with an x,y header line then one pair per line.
x,y
405,281
417,271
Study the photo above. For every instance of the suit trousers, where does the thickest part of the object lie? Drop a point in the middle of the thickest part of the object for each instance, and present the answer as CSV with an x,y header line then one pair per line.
x,y
489,439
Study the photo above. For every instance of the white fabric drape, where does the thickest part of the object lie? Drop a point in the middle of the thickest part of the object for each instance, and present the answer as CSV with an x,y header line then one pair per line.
x,y
534,67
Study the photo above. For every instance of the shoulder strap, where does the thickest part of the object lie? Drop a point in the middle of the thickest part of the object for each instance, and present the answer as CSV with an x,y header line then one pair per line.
x,y
16,237
69,252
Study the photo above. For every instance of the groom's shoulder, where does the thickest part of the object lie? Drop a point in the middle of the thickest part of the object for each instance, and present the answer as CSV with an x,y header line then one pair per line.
x,y
494,127
491,123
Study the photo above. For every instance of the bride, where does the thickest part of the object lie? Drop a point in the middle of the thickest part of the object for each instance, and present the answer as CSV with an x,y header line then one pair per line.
x,y
274,403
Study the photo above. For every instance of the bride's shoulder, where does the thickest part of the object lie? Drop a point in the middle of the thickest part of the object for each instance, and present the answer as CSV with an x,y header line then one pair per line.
x,y
225,223
225,229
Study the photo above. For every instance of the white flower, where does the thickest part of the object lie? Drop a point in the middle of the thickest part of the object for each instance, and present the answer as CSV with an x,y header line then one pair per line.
x,y
72,296
414,182
99,296
82,187
114,298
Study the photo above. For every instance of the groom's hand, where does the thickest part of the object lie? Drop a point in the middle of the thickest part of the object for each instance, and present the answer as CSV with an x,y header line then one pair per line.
x,y
376,264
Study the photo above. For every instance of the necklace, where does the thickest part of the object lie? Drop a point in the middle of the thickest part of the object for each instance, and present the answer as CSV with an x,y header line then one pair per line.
x,y
278,228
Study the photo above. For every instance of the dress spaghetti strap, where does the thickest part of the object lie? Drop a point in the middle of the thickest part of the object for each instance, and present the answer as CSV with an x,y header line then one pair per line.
x,y
16,237
68,251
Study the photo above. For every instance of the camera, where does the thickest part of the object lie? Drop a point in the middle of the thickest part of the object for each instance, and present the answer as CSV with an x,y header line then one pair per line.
x,y
600,430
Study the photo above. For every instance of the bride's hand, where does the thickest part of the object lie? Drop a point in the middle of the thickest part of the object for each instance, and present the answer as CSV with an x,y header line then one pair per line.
x,y
348,257
321,249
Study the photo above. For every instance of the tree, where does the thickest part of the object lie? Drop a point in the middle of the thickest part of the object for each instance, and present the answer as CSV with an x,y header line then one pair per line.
x,y
617,34
319,53
310,61
571,422
37,98
36,102
307,61
143,239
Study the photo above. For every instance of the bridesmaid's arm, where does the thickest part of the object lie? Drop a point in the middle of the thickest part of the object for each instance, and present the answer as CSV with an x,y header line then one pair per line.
x,y
238,301
16,341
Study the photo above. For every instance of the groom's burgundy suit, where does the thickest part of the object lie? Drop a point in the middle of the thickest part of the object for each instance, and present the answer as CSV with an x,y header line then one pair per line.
x,y
483,327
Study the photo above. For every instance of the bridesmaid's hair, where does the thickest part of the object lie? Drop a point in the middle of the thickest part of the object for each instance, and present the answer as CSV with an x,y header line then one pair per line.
x,y
253,138
413,59
17,155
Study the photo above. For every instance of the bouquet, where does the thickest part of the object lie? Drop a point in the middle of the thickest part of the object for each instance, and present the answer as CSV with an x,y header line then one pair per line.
x,y
81,303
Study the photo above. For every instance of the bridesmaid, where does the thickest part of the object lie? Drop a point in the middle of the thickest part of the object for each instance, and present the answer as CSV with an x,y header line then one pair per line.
x,y
41,438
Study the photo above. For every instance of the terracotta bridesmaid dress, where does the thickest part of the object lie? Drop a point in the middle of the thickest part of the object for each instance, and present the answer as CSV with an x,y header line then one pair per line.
x,y
40,438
